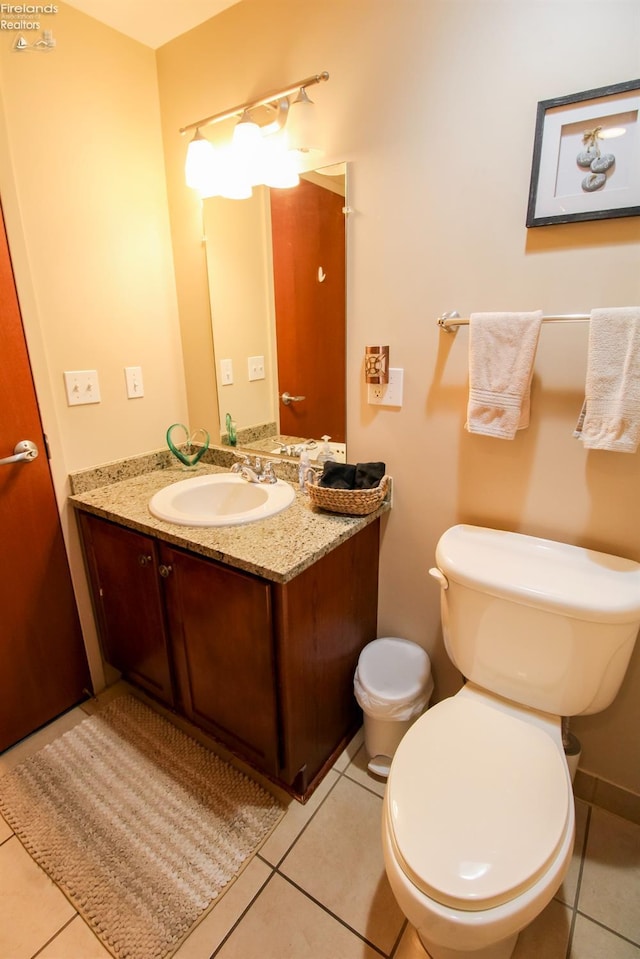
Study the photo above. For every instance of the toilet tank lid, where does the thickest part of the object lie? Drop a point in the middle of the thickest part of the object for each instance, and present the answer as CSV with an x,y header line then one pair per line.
x,y
578,582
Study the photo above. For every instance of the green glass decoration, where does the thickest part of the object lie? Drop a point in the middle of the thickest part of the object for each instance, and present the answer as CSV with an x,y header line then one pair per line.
x,y
188,456
231,430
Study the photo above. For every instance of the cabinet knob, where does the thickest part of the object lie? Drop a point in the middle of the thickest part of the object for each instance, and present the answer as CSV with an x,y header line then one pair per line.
x,y
143,560
165,570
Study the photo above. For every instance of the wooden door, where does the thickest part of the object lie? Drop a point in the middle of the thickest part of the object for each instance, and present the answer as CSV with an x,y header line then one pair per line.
x,y
309,282
43,664
124,573
221,629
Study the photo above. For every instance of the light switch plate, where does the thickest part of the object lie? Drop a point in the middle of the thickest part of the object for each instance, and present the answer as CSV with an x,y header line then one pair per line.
x,y
133,378
226,372
387,394
256,367
82,387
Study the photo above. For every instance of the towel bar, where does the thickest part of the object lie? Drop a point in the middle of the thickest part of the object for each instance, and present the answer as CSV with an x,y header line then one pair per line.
x,y
451,321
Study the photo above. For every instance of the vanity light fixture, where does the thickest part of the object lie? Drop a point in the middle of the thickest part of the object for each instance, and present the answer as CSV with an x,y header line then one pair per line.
x,y
259,153
302,126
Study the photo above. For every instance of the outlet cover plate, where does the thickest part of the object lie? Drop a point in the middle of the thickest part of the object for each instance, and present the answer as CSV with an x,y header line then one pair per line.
x,y
387,394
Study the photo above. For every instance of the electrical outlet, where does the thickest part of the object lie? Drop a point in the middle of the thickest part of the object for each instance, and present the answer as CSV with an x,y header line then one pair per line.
x,y
133,379
387,394
226,372
256,367
82,387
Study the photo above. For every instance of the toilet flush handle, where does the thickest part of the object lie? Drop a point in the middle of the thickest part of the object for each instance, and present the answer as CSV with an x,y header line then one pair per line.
x,y
439,575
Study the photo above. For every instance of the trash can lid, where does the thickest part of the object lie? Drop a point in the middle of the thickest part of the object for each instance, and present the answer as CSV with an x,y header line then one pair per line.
x,y
394,670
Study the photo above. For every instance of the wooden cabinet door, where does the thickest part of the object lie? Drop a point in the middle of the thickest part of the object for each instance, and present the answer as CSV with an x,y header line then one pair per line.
x,y
123,568
325,617
221,627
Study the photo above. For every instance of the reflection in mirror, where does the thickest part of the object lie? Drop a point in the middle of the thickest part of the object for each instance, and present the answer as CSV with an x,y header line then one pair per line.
x,y
276,265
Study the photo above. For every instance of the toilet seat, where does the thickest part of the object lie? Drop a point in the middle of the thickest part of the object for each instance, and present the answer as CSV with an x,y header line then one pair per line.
x,y
479,802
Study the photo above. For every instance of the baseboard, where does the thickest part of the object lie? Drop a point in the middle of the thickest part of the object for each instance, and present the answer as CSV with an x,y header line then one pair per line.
x,y
607,795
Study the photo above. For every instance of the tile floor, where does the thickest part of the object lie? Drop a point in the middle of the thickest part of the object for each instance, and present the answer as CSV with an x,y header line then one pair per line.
x,y
317,888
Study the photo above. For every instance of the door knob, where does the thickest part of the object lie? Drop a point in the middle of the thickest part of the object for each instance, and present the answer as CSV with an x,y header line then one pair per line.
x,y
24,451
287,398
165,570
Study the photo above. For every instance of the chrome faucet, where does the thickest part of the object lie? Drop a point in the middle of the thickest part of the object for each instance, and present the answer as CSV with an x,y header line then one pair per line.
x,y
255,472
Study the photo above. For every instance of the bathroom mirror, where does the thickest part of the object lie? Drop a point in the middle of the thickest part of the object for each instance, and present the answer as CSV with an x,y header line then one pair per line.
x,y
276,267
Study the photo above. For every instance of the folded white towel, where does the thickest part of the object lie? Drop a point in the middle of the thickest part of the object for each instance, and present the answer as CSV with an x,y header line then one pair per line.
x,y
610,417
502,350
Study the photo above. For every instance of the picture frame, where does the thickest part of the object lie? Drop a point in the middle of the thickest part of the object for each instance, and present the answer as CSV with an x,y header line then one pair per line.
x,y
572,133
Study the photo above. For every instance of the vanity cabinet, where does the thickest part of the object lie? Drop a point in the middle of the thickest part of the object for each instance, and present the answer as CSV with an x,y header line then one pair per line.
x,y
265,667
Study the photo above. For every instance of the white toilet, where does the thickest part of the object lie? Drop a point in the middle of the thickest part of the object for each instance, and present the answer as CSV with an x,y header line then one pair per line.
x,y
478,816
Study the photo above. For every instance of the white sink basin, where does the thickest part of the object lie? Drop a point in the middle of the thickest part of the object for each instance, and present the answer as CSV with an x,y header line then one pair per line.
x,y
219,499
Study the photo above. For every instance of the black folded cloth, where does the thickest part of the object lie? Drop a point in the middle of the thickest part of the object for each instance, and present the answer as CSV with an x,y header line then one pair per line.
x,y
347,476
368,475
338,475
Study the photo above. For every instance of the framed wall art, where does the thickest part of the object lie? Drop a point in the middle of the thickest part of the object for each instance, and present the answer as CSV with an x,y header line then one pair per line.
x,y
586,156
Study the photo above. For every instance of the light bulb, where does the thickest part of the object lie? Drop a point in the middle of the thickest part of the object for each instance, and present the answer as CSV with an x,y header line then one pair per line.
x,y
279,166
302,124
200,164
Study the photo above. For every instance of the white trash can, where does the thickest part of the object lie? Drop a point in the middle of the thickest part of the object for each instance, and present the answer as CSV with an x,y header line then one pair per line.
x,y
393,686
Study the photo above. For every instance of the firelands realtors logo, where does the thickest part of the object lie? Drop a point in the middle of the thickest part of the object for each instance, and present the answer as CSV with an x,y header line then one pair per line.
x,y
30,31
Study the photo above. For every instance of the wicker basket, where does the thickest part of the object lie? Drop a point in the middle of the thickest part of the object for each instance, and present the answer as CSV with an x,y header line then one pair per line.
x,y
351,502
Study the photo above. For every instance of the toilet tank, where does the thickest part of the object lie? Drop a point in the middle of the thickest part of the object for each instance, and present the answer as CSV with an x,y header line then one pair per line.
x,y
546,624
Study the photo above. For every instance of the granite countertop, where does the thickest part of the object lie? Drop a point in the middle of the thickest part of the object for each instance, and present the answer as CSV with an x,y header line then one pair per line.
x,y
277,548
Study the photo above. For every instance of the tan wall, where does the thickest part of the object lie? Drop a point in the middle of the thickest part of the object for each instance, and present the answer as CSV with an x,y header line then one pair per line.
x,y
83,189
85,148
433,104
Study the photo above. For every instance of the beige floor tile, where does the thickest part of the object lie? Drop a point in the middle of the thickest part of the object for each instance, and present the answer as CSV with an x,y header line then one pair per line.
x,y
208,934
547,936
357,770
76,941
102,699
27,747
5,830
611,874
32,908
567,891
591,941
285,924
295,819
410,946
338,861
347,754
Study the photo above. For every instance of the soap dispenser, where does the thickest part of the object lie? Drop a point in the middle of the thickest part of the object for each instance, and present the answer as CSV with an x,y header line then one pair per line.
x,y
325,453
305,464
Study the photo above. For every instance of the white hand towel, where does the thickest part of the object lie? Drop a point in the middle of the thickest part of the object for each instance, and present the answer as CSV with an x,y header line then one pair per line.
x,y
502,350
610,417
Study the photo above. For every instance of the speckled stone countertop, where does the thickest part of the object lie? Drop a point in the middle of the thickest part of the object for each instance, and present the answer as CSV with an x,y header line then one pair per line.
x,y
277,548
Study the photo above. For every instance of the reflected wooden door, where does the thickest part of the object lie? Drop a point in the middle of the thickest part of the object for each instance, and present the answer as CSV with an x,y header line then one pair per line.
x,y
309,281
43,664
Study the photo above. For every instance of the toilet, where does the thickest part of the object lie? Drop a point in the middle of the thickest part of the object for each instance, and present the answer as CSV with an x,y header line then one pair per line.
x,y
478,813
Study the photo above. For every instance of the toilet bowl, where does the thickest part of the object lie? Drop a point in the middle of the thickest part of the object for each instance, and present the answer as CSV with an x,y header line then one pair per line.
x,y
478,823
478,816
